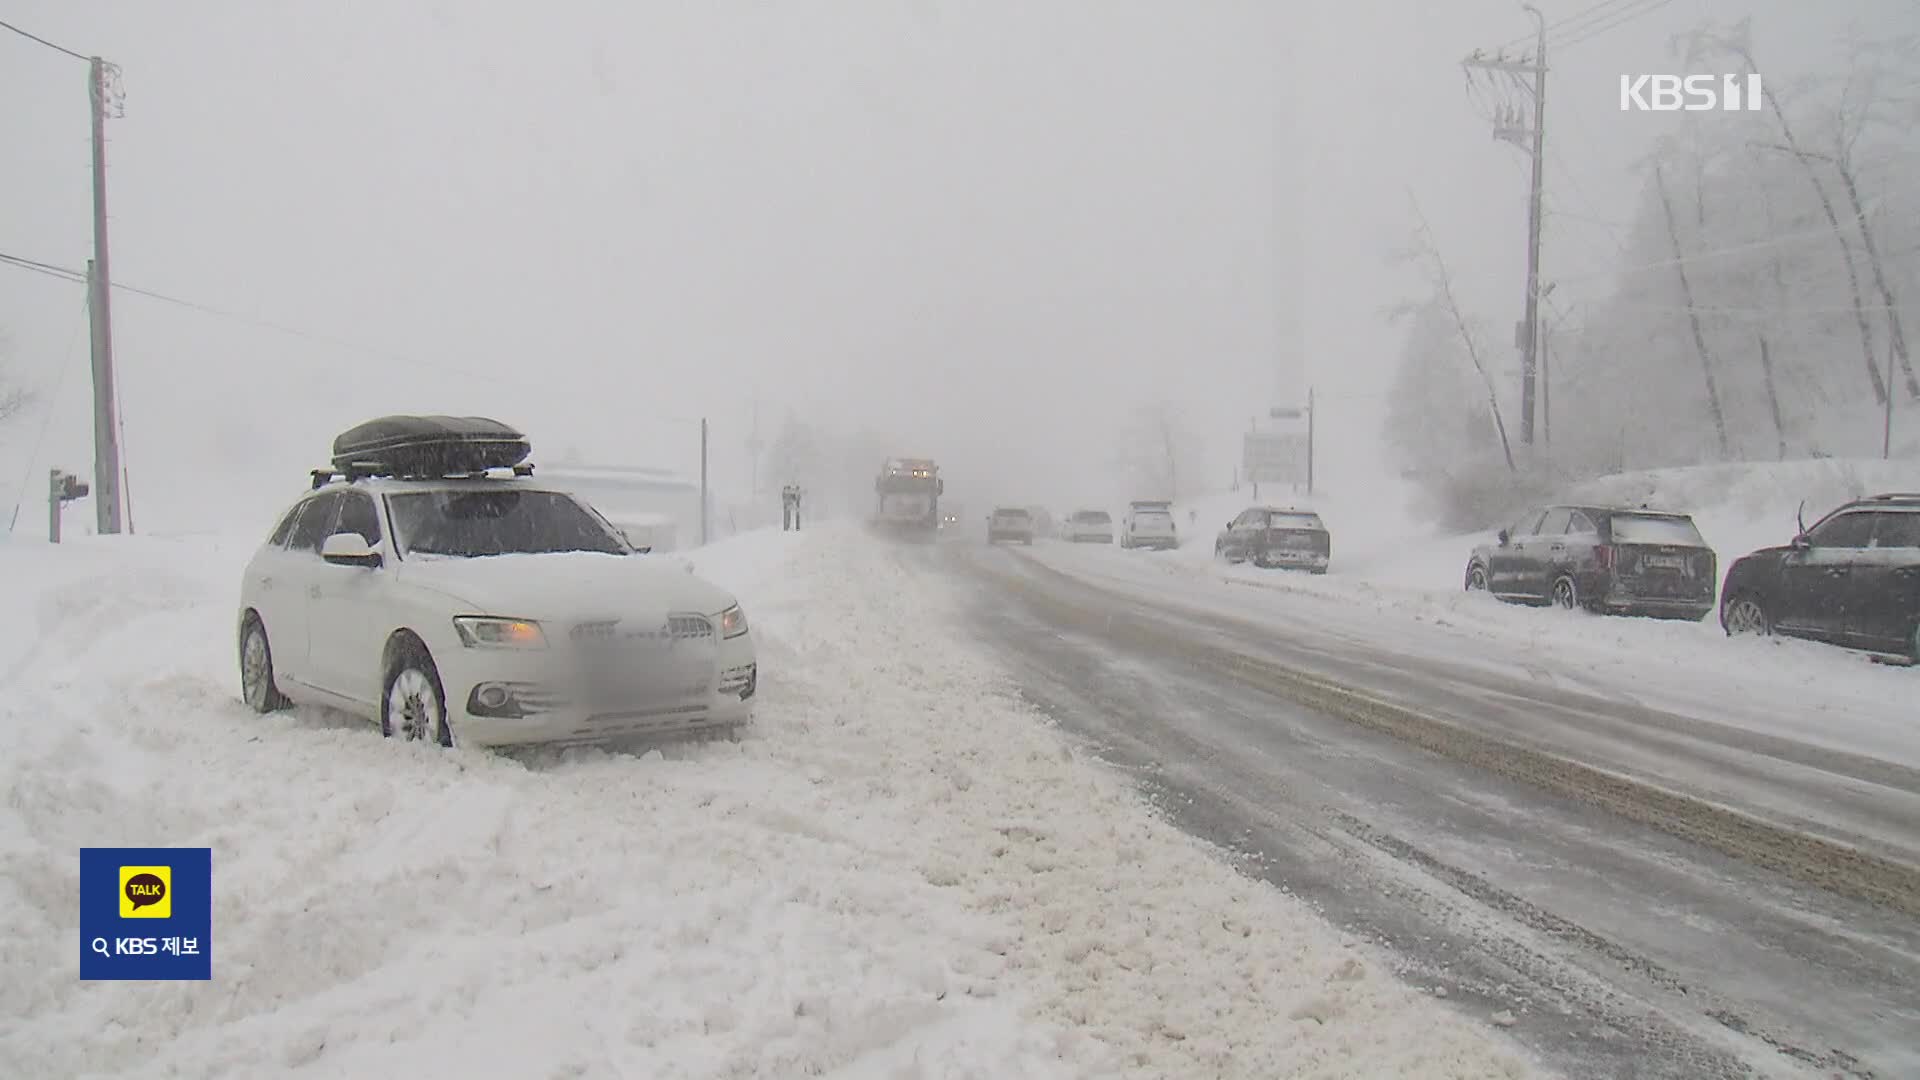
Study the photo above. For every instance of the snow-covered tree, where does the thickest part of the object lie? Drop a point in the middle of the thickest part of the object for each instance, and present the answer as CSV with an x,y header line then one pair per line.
x,y
1161,453
1437,411
1768,278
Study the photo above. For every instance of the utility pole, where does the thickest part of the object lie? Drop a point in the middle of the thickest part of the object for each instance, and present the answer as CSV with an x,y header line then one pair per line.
x,y
1253,474
1526,128
1309,440
106,440
704,514
1546,387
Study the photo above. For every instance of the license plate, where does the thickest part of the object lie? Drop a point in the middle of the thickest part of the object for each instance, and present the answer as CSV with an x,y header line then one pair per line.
x,y
1666,562
646,675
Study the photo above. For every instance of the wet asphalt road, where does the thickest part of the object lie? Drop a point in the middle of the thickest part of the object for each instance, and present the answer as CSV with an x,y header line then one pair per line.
x,y
1629,931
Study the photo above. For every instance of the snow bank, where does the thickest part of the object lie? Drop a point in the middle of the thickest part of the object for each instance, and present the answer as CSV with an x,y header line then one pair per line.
x,y
902,874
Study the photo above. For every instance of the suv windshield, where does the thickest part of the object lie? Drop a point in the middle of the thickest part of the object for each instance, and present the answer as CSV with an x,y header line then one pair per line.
x,y
471,524
1649,529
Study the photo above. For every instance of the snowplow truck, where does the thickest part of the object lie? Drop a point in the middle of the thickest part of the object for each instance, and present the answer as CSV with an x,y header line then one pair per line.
x,y
908,491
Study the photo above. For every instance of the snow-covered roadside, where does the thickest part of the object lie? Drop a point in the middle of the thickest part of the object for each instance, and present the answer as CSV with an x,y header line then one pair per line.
x,y
901,874
1393,585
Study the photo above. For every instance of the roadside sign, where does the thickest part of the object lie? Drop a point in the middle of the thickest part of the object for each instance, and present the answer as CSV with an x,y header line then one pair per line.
x,y
1269,457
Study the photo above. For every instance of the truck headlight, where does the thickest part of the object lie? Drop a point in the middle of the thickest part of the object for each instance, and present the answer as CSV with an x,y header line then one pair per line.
x,y
488,632
733,622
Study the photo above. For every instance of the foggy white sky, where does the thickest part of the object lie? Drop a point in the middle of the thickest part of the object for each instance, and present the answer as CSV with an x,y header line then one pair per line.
x,y
987,229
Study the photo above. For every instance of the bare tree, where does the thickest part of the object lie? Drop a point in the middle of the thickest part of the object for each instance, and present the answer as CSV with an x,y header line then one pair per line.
x,y
1157,450
1854,114
1773,399
1693,312
1428,253
1736,42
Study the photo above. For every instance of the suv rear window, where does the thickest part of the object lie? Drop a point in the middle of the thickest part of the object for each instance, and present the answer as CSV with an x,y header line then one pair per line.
x,y
1897,529
1656,529
1153,517
1012,515
1092,517
1296,521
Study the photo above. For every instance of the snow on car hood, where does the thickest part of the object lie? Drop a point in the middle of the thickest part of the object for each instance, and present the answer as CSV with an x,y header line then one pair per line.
x,y
568,585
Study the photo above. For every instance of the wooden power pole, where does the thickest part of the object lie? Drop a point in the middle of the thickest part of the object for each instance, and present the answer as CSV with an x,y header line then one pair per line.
x,y
1526,128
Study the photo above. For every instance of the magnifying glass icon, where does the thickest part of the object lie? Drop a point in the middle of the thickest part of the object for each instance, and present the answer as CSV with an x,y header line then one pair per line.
x,y
100,946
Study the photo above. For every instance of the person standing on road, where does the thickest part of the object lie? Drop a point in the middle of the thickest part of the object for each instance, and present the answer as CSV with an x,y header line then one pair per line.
x,y
790,508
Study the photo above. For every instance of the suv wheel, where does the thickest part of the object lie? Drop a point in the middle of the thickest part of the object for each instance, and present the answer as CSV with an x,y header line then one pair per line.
x,y
1745,614
257,687
1566,594
413,706
1476,578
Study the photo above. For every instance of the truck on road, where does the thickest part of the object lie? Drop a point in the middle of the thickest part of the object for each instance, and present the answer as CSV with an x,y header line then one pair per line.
x,y
908,491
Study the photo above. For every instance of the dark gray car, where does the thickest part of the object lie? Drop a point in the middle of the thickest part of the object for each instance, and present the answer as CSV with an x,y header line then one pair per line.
x,y
1603,558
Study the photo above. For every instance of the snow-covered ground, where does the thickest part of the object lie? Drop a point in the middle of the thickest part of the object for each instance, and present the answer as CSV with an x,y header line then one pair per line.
x,y
1394,582
901,874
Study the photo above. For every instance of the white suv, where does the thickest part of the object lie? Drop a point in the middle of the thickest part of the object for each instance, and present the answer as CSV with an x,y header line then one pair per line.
x,y
489,611
1149,525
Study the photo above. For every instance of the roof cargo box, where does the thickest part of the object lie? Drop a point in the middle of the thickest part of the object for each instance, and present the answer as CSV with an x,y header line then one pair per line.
x,y
429,446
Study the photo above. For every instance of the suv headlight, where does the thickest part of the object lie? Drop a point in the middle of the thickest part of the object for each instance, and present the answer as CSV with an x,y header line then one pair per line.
x,y
487,632
733,622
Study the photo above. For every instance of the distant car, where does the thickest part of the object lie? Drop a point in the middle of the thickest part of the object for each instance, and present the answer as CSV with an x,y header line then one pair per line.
x,y
1605,559
1089,527
1853,579
487,611
1269,536
1149,525
1010,525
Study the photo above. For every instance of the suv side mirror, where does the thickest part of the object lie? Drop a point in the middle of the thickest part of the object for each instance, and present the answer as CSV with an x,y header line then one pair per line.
x,y
1504,537
1801,542
349,549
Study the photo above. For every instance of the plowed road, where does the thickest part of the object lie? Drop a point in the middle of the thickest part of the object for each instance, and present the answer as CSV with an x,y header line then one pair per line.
x,y
1648,895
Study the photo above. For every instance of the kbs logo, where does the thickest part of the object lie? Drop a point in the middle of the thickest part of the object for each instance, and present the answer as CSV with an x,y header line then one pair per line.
x,y
146,892
1691,93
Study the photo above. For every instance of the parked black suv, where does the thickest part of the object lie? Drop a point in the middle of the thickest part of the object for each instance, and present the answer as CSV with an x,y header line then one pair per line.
x,y
1272,536
1604,558
1853,580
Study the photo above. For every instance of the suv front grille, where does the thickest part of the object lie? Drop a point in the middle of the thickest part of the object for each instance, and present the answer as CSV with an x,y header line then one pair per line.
x,y
678,627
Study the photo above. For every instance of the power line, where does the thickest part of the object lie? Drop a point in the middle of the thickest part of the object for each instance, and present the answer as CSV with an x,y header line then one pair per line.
x,y
80,277
1560,24
1595,31
44,41
44,268
1716,253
